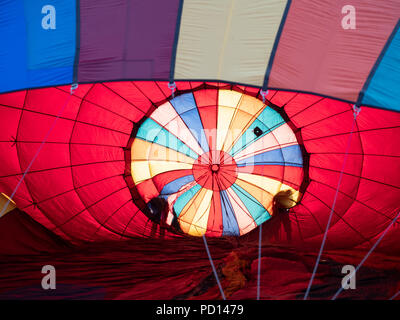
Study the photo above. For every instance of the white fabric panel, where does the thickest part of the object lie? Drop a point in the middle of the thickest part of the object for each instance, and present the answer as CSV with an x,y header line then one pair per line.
x,y
228,40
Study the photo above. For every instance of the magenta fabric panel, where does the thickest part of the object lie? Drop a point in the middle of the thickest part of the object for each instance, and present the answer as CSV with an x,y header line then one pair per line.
x,y
126,39
316,54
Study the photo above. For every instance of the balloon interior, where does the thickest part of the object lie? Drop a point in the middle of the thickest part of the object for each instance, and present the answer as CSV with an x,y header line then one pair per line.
x,y
218,158
267,124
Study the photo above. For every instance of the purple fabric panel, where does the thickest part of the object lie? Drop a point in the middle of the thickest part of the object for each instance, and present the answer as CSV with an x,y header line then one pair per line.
x,y
126,39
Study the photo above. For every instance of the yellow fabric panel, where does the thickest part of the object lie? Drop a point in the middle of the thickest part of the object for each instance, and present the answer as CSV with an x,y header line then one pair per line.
x,y
251,105
140,171
248,110
228,101
265,198
157,167
270,185
227,39
3,200
150,159
200,220
143,170
288,198
229,98
225,115
144,150
189,211
239,124
197,231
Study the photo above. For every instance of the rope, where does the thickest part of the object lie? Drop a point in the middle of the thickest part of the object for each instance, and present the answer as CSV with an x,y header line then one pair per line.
x,y
213,268
259,263
356,111
395,295
73,88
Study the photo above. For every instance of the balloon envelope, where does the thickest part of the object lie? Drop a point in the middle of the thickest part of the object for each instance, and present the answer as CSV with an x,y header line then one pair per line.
x,y
81,184
96,176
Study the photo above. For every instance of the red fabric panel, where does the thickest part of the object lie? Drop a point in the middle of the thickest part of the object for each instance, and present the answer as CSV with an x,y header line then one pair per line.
x,y
196,84
183,85
318,59
104,118
163,179
281,98
215,216
207,100
76,186
14,99
8,185
39,125
208,117
131,93
55,99
289,175
163,86
101,95
21,235
148,189
151,90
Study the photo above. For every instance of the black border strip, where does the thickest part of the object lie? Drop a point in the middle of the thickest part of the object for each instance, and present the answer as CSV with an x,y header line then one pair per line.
x,y
78,41
176,39
377,63
275,47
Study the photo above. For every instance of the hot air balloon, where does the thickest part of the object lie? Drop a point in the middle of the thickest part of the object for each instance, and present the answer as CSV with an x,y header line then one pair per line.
x,y
171,119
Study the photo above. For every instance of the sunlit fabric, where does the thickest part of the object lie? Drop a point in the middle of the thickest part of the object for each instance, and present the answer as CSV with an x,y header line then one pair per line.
x,y
81,185
3,202
218,158
151,138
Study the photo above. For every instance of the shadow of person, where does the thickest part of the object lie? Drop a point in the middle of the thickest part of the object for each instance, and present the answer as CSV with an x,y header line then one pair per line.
x,y
282,202
159,211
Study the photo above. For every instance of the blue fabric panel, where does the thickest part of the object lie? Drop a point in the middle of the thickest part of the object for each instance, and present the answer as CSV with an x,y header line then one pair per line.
x,y
267,121
230,225
288,156
175,185
256,209
183,200
183,103
186,107
35,52
151,131
384,88
293,156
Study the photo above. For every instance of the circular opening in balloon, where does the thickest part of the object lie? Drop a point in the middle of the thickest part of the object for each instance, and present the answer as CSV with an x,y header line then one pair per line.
x,y
215,170
220,160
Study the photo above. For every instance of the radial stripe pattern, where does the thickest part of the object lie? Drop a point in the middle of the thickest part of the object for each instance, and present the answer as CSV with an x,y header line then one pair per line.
x,y
219,160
